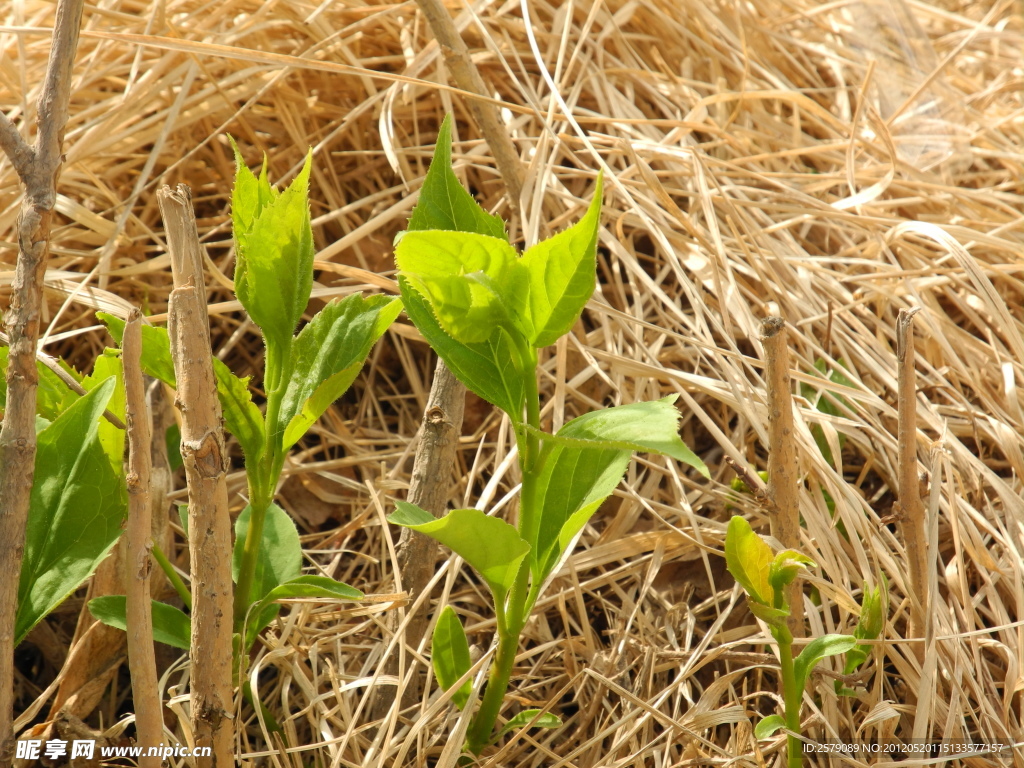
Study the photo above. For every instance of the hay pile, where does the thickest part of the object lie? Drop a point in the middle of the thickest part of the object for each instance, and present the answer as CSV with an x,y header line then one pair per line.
x,y
776,156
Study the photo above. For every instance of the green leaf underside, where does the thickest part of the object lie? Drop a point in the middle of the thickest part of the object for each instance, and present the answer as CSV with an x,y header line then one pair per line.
x,y
274,251
768,726
444,203
532,718
486,368
571,486
156,348
749,559
170,625
241,416
652,427
279,561
563,273
314,586
815,651
490,545
328,354
297,588
449,652
474,283
76,510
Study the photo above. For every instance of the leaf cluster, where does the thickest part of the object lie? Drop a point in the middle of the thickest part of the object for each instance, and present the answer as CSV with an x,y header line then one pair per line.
x,y
764,577
304,374
487,310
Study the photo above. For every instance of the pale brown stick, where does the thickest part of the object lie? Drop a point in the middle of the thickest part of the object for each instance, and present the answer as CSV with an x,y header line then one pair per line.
x,y
442,422
429,489
911,509
205,458
784,512
467,77
141,655
38,168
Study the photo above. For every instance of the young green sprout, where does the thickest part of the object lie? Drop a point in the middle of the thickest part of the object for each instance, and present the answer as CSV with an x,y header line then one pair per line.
x,y
487,311
304,373
764,578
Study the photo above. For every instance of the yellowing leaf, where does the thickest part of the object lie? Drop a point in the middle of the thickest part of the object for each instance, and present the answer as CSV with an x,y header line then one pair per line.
x,y
748,559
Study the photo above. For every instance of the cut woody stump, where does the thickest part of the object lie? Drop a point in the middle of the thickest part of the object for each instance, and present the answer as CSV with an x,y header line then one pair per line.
x,y
442,421
910,508
149,721
783,491
205,459
38,168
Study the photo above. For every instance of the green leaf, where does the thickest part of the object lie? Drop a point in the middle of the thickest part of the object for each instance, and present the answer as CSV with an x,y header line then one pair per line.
x,y
768,726
816,397
299,587
563,272
327,356
652,427
785,567
774,617
449,652
815,651
76,510
444,203
748,559
156,348
570,487
487,368
53,396
874,609
274,253
172,440
249,196
170,626
241,416
474,283
491,546
279,560
314,586
108,366
532,718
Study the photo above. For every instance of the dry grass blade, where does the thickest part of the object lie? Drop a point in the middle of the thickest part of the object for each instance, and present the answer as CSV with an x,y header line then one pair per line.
x,y
755,156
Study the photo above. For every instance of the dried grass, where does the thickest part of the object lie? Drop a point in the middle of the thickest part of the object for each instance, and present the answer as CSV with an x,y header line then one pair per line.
x,y
750,172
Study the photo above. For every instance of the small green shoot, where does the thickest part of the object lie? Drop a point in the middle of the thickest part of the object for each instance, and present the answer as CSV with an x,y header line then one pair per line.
x,y
487,310
764,577
873,610
304,373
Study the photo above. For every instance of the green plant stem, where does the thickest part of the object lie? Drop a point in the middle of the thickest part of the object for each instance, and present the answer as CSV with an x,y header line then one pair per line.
x,y
480,729
263,482
512,616
172,576
793,698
